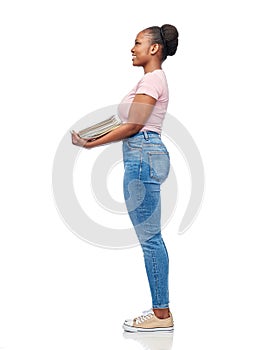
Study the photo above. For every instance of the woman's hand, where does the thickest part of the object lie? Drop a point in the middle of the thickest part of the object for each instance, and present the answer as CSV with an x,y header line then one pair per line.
x,y
77,140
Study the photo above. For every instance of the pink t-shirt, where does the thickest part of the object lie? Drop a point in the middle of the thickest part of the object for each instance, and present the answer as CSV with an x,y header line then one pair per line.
x,y
155,85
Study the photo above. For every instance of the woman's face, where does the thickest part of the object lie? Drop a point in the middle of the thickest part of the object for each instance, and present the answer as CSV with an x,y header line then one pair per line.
x,y
141,51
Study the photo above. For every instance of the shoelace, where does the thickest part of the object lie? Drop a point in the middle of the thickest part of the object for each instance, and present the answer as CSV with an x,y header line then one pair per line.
x,y
147,315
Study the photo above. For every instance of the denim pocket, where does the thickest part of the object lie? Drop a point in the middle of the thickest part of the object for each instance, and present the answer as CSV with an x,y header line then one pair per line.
x,y
159,164
134,144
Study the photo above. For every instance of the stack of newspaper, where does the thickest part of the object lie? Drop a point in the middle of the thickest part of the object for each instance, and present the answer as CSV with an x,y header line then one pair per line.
x,y
100,129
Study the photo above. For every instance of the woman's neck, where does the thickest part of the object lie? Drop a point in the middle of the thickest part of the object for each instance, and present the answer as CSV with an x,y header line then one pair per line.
x,y
151,67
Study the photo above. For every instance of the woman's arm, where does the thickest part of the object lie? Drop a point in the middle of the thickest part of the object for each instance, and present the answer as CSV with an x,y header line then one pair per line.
x,y
139,112
121,132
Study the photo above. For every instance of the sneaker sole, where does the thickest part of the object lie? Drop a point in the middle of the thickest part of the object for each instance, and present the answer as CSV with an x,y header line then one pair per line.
x,y
132,329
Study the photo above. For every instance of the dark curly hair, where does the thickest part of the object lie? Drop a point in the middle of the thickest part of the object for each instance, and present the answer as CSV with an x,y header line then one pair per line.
x,y
167,36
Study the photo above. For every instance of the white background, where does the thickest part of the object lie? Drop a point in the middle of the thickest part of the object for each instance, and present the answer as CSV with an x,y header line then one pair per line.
x,y
59,61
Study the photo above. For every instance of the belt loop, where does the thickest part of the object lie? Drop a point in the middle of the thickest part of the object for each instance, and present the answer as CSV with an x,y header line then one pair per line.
x,y
146,136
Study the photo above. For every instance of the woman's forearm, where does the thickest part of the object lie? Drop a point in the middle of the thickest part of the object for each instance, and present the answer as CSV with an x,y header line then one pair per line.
x,y
121,132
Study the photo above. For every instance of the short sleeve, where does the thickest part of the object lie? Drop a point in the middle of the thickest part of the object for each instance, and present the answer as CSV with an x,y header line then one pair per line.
x,y
151,85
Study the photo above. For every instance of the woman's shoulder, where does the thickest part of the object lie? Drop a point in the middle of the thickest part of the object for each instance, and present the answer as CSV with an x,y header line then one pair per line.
x,y
157,74
156,77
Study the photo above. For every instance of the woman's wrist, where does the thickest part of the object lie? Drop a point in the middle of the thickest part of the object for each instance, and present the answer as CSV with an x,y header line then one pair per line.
x,y
84,145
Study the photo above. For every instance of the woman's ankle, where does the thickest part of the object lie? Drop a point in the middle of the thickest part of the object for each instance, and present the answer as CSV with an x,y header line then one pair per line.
x,y
162,313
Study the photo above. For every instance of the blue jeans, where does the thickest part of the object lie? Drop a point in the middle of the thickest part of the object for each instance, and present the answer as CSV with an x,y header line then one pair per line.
x,y
146,166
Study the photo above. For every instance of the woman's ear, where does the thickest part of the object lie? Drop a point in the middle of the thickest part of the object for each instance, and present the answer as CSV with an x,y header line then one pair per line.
x,y
154,49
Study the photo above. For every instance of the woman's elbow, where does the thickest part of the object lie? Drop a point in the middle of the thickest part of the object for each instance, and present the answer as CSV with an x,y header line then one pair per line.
x,y
134,128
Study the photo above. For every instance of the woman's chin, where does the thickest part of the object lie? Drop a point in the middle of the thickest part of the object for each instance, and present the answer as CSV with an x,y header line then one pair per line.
x,y
135,64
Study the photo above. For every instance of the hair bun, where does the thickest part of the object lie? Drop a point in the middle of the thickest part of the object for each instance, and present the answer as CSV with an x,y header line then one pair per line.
x,y
170,35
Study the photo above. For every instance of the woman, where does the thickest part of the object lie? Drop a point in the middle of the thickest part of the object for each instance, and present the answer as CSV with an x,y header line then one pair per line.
x,y
146,162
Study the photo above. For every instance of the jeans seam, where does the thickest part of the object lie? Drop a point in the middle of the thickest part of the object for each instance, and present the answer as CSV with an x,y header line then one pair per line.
x,y
140,169
155,274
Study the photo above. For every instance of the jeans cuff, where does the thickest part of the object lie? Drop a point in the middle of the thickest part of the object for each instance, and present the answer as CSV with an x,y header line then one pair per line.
x,y
162,306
